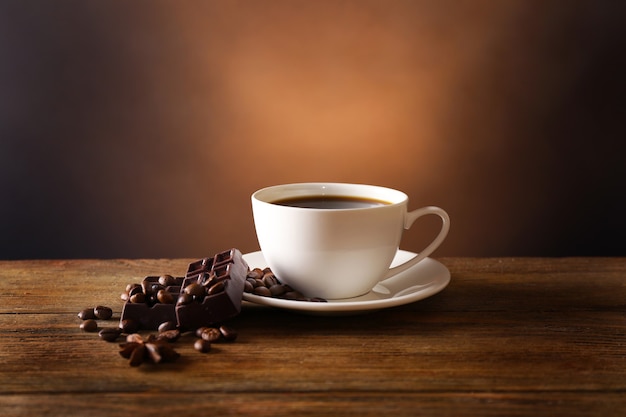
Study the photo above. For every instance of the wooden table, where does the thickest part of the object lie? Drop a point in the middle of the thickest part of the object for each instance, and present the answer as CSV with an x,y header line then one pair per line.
x,y
507,337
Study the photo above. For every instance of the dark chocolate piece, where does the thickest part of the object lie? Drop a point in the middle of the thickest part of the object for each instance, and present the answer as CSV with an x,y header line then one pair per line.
x,y
209,294
151,313
223,276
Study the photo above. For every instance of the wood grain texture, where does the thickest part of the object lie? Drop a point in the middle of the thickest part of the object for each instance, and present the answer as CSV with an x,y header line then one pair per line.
x,y
508,336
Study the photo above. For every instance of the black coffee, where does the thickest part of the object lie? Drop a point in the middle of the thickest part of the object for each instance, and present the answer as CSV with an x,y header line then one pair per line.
x,y
330,202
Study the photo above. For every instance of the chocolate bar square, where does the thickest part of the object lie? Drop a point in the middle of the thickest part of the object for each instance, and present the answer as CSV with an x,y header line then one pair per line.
x,y
227,267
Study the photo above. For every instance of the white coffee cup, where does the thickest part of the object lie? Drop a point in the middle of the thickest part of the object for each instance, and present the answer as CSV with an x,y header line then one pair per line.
x,y
336,253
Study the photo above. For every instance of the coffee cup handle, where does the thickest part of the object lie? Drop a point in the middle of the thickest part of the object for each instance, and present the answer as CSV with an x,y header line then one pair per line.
x,y
409,220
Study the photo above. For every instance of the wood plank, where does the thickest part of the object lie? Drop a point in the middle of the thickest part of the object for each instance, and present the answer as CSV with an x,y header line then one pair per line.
x,y
500,284
552,404
64,286
276,352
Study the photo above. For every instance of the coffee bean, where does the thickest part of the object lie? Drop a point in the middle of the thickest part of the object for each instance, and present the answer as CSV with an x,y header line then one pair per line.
x,y
202,346
229,334
167,325
269,279
137,298
247,286
216,288
89,325
262,291
294,295
199,331
87,314
102,312
110,334
277,289
165,297
195,290
167,280
256,273
129,326
211,334
134,338
169,335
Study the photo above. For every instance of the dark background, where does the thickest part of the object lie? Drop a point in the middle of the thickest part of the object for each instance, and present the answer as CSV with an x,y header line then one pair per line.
x,y
140,128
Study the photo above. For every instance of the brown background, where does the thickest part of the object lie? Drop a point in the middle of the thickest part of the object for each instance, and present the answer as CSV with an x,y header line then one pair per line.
x,y
140,128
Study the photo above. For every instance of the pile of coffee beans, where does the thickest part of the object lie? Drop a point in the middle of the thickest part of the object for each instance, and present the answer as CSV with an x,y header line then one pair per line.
x,y
150,348
263,282
89,316
152,290
161,290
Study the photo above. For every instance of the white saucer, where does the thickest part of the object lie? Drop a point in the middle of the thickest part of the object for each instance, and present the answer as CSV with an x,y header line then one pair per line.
x,y
423,280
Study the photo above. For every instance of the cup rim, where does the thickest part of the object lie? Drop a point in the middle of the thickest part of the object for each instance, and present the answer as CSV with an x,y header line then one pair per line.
x,y
272,193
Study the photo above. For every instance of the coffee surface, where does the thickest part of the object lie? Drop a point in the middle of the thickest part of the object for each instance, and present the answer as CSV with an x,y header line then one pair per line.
x,y
330,202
